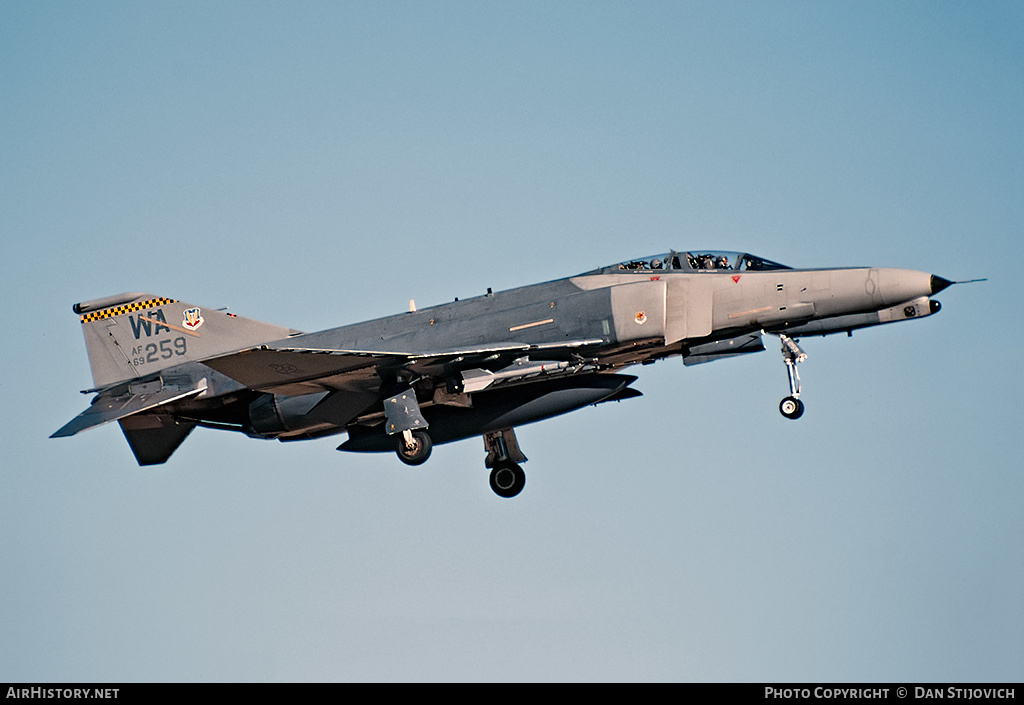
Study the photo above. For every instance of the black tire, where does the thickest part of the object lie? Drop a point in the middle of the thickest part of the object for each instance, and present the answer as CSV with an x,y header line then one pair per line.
x,y
507,479
418,454
791,408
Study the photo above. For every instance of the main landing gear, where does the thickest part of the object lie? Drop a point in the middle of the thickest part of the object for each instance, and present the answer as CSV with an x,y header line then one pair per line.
x,y
791,407
503,457
507,479
413,447
406,423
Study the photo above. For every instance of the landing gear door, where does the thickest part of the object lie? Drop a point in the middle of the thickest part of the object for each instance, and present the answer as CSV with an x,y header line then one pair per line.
x,y
688,308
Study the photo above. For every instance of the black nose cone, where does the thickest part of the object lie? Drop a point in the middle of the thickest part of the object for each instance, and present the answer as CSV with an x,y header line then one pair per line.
x,y
938,284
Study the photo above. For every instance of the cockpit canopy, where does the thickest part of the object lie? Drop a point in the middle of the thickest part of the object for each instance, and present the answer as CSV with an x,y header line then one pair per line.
x,y
696,260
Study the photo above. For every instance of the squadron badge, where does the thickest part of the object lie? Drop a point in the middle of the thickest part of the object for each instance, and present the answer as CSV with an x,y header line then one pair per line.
x,y
193,318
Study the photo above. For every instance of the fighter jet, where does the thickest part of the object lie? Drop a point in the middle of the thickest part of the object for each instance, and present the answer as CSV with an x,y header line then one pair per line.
x,y
474,367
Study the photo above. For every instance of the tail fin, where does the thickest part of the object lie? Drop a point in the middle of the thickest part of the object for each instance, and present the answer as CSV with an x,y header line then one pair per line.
x,y
133,335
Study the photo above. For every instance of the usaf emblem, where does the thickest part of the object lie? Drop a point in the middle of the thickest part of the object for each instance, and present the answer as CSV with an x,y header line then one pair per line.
x,y
193,318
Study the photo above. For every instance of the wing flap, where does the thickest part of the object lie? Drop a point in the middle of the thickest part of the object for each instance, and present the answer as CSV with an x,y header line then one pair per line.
x,y
270,369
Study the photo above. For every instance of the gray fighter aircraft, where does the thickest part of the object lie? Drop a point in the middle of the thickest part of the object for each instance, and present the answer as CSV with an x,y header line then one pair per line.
x,y
477,367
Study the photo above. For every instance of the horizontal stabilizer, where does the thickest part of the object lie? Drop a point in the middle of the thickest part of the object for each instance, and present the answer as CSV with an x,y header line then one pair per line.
x,y
107,408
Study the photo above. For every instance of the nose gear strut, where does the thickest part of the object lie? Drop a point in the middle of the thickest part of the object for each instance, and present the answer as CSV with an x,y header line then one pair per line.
x,y
791,407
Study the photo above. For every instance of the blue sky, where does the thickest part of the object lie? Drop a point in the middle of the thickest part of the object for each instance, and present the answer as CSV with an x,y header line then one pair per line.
x,y
314,164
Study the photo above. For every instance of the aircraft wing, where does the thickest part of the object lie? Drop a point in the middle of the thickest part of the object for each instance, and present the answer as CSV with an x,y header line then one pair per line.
x,y
106,408
297,371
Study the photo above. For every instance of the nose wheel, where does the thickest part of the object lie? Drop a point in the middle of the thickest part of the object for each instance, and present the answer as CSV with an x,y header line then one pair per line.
x,y
791,407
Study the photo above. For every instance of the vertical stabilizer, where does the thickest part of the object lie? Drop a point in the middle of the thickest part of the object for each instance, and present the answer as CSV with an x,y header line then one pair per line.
x,y
131,336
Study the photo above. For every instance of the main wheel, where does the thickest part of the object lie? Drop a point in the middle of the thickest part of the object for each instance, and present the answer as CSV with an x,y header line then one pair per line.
x,y
507,479
417,452
791,408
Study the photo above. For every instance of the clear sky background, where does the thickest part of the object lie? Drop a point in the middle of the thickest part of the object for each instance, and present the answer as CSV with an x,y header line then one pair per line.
x,y
319,163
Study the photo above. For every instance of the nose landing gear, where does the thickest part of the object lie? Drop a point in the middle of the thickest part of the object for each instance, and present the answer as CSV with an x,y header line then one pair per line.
x,y
791,407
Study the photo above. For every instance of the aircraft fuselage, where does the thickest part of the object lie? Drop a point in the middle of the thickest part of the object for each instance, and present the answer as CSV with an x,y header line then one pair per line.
x,y
477,366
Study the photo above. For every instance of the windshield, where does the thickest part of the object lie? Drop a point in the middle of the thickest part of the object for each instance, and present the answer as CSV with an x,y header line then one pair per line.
x,y
698,260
